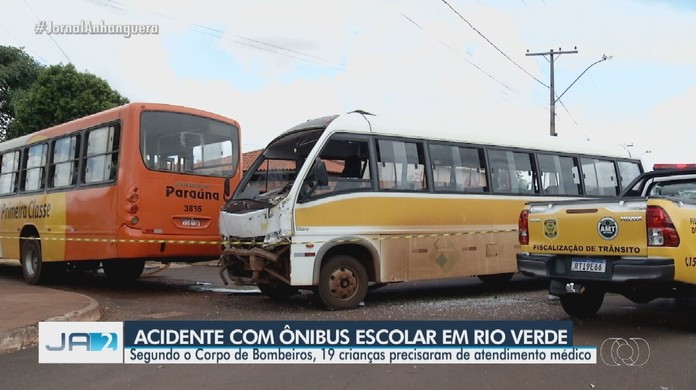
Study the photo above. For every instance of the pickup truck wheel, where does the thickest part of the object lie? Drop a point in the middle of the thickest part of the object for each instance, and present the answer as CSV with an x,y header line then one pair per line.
x,y
582,305
277,292
342,283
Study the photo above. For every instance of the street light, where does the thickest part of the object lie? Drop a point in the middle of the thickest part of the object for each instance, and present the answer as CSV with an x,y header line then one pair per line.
x,y
552,95
604,58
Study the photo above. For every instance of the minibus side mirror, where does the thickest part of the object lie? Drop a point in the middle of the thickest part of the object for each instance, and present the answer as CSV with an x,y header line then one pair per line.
x,y
318,176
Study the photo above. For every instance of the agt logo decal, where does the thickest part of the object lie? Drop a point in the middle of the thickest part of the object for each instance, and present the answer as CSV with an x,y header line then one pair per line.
x,y
607,228
551,228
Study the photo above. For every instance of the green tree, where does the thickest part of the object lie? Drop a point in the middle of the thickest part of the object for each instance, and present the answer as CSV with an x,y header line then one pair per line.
x,y
18,71
61,94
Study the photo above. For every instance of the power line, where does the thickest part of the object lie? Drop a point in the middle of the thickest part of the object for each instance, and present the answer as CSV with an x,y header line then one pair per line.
x,y
412,21
49,35
479,68
493,44
238,39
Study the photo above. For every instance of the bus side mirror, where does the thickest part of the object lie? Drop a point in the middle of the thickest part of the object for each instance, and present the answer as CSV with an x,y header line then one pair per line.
x,y
320,173
227,189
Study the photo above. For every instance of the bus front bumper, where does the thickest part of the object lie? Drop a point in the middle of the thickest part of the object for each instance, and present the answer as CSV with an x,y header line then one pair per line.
x,y
245,266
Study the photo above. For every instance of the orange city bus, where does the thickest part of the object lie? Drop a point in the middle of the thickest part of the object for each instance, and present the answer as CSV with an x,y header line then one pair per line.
x,y
137,182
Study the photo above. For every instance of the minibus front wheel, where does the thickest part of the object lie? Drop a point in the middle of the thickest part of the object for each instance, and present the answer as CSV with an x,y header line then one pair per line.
x,y
342,282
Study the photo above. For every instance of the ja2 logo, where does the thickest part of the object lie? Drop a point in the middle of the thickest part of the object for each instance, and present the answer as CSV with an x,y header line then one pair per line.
x,y
93,341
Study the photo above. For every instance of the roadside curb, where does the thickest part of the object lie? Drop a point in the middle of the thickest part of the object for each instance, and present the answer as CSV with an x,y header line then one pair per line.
x,y
27,336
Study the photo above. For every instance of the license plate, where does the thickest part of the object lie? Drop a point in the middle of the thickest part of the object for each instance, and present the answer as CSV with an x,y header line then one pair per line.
x,y
588,265
191,222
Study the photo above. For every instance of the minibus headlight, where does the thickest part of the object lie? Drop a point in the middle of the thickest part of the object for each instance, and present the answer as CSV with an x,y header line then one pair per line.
x,y
274,238
271,238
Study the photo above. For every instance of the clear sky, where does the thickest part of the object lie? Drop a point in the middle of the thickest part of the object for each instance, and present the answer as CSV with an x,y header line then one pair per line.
x,y
272,64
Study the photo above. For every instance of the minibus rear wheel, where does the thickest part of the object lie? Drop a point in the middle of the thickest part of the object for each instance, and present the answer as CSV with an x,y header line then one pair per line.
x,y
342,282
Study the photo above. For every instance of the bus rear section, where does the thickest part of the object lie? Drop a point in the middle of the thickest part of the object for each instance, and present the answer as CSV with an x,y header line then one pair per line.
x,y
135,183
177,196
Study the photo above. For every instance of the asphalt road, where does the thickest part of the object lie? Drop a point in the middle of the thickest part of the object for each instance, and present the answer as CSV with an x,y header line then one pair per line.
x,y
196,292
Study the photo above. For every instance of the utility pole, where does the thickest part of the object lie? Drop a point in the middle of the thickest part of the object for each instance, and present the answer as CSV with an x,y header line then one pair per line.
x,y
552,100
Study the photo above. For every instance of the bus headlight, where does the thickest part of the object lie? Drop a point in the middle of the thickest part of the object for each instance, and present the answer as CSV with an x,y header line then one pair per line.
x,y
273,238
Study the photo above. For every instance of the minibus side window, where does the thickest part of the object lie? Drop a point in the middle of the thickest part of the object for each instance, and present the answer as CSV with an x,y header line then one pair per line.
x,y
401,165
348,165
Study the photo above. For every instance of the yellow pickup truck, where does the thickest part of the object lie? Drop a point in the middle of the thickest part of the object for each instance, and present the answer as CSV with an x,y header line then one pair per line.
x,y
641,244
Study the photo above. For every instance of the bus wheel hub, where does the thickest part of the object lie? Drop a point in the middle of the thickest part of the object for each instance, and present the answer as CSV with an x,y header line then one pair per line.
x,y
343,283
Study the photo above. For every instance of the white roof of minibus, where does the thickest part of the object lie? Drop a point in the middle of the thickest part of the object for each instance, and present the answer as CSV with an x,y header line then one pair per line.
x,y
358,123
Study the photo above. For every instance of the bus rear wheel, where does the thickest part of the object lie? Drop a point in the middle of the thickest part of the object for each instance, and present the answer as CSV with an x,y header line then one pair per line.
x,y
342,283
123,270
35,271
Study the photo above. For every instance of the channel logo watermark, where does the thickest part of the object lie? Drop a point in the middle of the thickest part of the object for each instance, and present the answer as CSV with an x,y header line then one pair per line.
x,y
86,27
80,342
633,351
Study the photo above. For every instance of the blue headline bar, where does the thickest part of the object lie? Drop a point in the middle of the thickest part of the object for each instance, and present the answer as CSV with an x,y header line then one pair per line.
x,y
161,334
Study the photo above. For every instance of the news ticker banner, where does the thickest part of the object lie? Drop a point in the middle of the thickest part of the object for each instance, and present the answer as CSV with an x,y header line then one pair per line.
x,y
312,342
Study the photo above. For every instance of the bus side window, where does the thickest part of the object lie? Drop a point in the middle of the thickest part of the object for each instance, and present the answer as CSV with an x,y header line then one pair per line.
x,y
629,170
513,173
351,174
348,165
557,174
9,172
63,166
458,168
600,177
401,165
101,155
34,170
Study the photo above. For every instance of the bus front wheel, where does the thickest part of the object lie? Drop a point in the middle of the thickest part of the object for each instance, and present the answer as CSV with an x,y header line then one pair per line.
x,y
342,283
35,271
123,270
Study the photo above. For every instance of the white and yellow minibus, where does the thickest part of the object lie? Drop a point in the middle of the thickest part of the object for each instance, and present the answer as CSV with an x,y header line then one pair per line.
x,y
398,202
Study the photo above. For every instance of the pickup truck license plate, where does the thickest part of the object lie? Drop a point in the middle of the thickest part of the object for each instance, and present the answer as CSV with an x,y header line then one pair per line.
x,y
588,265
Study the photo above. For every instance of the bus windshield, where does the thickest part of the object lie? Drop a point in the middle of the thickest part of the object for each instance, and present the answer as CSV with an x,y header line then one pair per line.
x,y
275,170
184,143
